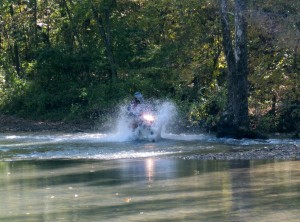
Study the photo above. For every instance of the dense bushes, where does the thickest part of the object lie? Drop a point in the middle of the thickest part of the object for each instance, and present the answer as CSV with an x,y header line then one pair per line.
x,y
57,66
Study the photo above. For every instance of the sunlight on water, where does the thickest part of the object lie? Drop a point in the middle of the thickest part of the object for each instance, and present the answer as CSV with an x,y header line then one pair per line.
x,y
188,137
115,145
122,136
90,154
150,189
129,155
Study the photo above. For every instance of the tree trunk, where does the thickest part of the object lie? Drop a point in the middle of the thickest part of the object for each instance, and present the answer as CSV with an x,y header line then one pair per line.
x,y
241,57
229,53
235,122
105,33
35,22
17,59
73,26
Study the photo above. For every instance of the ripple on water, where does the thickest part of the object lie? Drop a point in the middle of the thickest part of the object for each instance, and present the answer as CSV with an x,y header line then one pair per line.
x,y
108,146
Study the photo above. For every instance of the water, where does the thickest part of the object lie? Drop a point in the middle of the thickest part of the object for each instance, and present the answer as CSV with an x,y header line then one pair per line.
x,y
108,177
110,146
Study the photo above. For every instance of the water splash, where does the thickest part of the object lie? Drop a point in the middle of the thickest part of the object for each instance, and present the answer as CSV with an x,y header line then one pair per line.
x,y
165,112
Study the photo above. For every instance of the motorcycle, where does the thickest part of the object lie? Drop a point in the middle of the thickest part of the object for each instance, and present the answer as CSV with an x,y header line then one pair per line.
x,y
146,127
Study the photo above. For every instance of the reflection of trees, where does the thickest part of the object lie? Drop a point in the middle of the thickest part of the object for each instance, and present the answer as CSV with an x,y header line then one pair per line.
x,y
241,189
181,190
265,192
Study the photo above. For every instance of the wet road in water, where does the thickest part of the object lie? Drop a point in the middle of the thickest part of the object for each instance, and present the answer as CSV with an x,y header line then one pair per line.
x,y
106,177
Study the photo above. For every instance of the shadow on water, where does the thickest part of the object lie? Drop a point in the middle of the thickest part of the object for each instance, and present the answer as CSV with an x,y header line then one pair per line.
x,y
116,172
62,172
106,173
177,207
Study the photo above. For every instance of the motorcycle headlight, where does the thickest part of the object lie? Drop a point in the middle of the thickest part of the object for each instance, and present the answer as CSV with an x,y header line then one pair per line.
x,y
148,117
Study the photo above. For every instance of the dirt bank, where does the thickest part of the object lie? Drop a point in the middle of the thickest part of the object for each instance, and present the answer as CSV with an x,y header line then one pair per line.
x,y
278,152
17,124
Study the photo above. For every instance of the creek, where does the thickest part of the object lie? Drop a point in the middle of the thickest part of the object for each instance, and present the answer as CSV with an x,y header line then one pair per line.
x,y
107,177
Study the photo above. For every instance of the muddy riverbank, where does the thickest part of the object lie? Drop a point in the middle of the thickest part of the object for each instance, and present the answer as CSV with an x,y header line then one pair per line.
x,y
278,152
17,124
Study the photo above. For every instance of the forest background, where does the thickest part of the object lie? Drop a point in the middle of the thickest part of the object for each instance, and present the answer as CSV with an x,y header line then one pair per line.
x,y
77,60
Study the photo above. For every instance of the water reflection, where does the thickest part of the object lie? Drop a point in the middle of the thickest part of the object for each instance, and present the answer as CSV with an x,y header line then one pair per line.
x,y
149,189
150,164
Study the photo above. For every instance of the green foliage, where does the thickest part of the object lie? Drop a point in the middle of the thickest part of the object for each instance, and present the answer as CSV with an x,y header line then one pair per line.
x,y
289,116
54,62
274,66
267,123
207,112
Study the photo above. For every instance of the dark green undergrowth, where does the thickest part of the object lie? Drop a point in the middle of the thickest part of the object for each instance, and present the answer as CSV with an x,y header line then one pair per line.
x,y
57,60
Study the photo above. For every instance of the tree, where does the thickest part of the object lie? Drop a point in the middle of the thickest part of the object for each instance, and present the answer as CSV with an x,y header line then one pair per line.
x,y
235,121
274,65
102,17
72,24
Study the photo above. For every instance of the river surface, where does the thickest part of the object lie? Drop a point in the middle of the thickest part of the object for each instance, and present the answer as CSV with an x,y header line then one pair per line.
x,y
106,177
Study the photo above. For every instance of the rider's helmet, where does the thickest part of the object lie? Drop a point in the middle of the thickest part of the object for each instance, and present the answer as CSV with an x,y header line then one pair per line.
x,y
139,97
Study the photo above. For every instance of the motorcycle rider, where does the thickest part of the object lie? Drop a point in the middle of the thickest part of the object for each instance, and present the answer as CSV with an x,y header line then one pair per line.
x,y
135,108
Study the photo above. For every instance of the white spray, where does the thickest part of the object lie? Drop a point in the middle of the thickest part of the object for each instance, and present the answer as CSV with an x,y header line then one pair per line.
x,y
165,112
